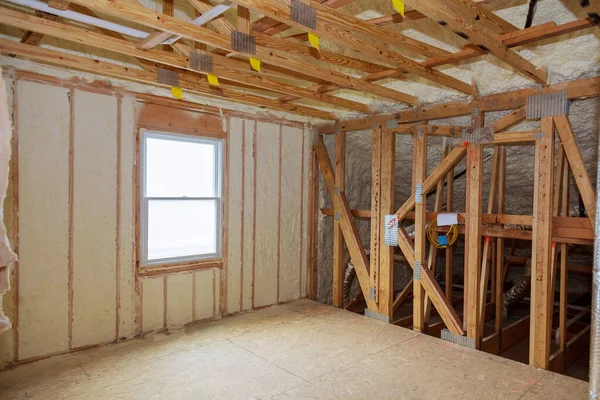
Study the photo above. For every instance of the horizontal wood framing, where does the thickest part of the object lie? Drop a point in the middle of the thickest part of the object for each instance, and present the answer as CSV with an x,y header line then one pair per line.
x,y
576,89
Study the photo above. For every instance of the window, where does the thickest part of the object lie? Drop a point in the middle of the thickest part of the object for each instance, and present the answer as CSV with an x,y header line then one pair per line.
x,y
181,198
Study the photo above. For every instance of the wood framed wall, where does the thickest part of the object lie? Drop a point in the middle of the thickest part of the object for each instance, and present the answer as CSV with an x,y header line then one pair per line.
x,y
58,127
485,233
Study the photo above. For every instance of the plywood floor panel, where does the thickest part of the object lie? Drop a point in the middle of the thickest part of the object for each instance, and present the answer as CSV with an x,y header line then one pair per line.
x,y
264,355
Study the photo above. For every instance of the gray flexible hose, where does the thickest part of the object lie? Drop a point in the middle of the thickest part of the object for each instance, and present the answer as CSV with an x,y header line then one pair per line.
x,y
515,294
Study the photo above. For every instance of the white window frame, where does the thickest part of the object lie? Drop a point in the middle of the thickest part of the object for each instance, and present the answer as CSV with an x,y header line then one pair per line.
x,y
144,200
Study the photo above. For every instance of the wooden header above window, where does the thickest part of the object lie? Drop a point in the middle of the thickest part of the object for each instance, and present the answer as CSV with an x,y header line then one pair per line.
x,y
176,120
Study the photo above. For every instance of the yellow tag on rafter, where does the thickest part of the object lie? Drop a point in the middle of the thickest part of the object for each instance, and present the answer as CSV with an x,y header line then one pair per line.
x,y
313,40
255,64
177,93
213,80
399,6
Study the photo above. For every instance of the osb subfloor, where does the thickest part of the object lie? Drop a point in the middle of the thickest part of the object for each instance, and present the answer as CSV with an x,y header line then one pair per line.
x,y
302,350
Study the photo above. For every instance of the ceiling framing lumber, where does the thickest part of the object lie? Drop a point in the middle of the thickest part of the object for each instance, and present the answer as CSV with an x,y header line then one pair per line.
x,y
77,35
144,64
514,39
220,24
340,28
155,38
133,12
34,38
474,23
127,10
576,89
187,83
336,23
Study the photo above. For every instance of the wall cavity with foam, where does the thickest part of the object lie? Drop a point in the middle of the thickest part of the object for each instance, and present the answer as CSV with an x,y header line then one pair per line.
x,y
71,214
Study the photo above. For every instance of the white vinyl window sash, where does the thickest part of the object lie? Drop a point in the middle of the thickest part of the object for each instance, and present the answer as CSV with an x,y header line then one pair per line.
x,y
181,204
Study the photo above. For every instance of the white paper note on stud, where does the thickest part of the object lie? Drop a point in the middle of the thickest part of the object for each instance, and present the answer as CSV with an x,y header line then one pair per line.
x,y
446,219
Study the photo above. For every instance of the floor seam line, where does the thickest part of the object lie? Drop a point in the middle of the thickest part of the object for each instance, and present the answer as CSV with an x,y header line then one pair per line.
x,y
270,362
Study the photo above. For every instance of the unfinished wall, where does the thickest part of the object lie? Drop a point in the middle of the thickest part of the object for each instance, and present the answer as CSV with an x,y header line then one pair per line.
x,y
583,115
71,213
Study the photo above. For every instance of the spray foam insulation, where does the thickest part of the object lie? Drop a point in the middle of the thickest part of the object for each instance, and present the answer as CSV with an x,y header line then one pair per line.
x,y
43,146
235,216
267,204
290,223
179,298
94,218
249,215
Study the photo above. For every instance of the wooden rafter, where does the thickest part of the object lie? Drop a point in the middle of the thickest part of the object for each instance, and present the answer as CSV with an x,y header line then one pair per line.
x,y
340,29
78,35
136,13
187,83
479,26
35,38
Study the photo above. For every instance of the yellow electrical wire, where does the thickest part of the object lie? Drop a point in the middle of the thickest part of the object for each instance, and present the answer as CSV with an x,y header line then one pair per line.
x,y
432,235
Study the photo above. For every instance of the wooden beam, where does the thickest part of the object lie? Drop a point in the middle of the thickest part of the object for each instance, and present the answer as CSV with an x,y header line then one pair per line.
x,y
420,144
576,89
347,224
449,249
584,184
220,24
480,27
376,237
35,38
430,130
338,236
335,27
186,82
437,207
332,23
59,4
134,12
386,206
473,240
312,278
513,39
541,299
67,32
243,19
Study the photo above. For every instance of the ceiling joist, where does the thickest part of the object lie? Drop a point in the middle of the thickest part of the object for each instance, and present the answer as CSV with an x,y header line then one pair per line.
x,y
187,83
475,24
77,35
341,28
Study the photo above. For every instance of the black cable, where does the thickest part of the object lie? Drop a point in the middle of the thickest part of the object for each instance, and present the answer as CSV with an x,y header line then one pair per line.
x,y
530,13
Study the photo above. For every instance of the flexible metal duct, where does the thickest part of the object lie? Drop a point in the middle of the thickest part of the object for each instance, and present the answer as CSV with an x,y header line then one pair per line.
x,y
516,293
349,275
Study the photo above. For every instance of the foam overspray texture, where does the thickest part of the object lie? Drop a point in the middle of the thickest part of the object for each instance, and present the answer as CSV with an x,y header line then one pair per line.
x,y
7,256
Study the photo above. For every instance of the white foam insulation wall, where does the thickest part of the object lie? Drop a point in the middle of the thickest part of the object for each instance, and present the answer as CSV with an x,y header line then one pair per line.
x,y
74,228
574,56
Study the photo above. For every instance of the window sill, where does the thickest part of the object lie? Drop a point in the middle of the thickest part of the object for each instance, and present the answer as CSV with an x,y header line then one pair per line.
x,y
171,268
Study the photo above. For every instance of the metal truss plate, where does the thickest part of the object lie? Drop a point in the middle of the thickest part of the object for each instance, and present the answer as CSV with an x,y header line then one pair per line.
x,y
547,105
418,193
392,123
201,62
458,339
390,230
304,14
372,293
417,271
243,42
478,135
168,77
377,316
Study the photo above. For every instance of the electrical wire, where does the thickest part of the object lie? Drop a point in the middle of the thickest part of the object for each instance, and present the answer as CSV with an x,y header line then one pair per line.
x,y
432,234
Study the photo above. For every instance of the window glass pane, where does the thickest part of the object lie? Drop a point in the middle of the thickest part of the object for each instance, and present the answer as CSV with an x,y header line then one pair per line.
x,y
179,168
180,228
